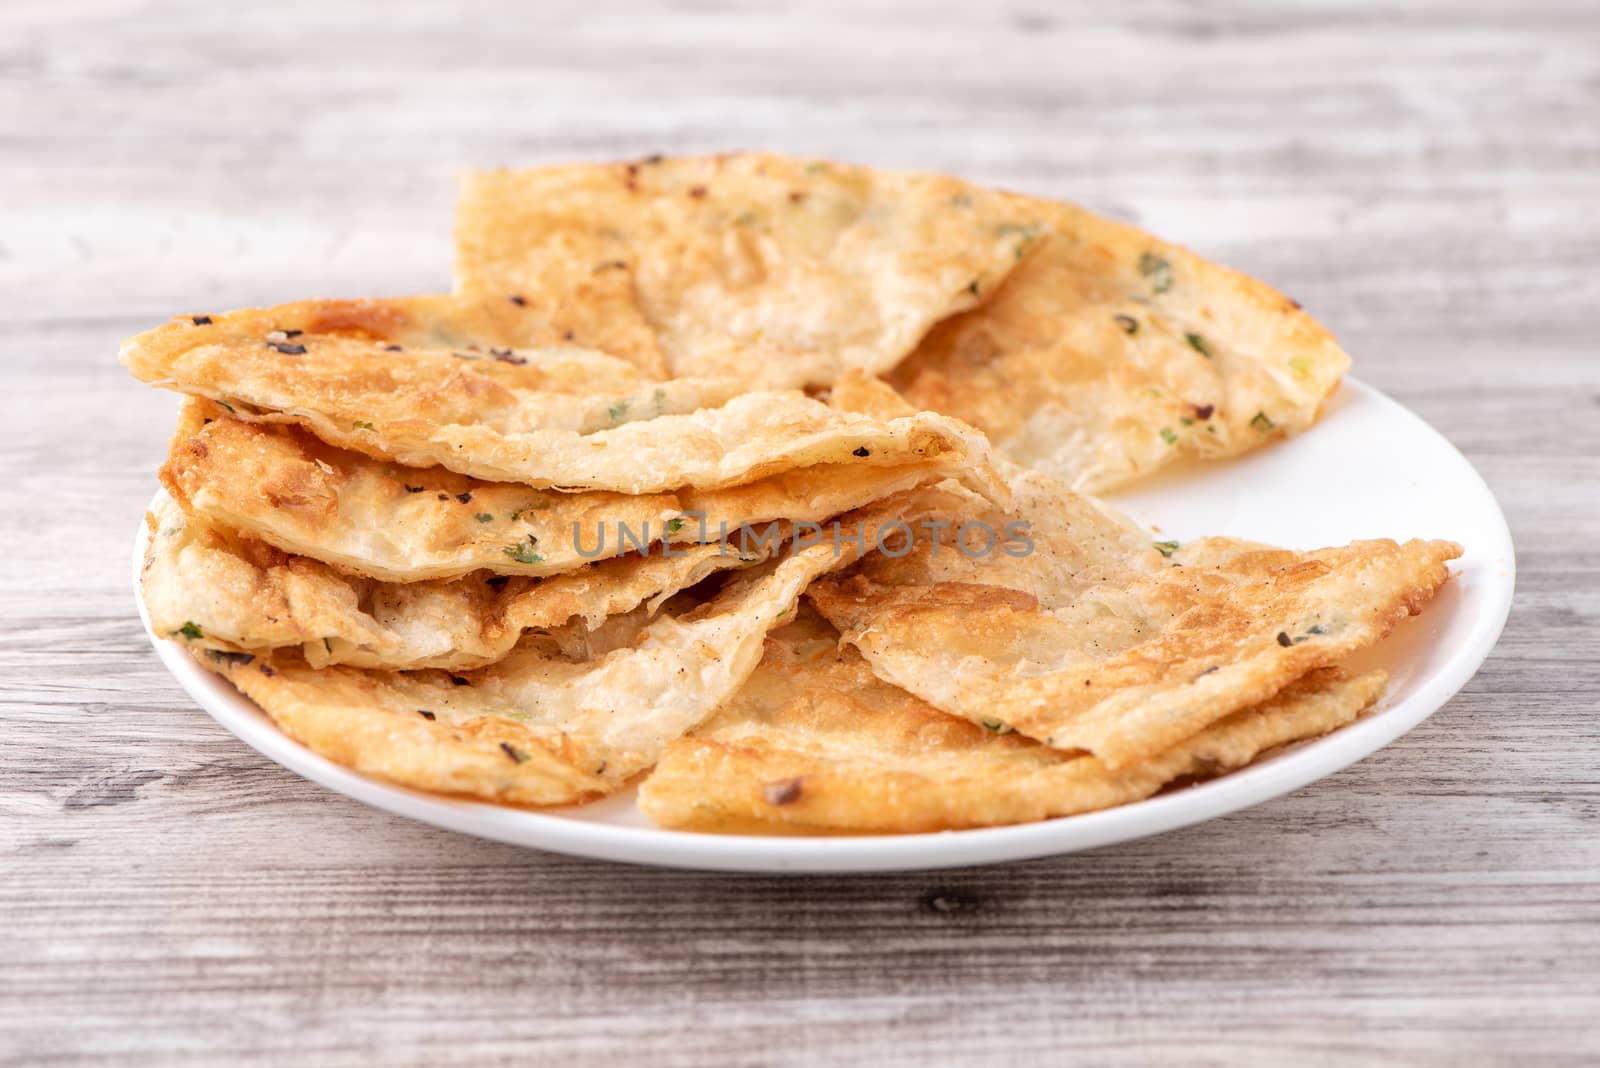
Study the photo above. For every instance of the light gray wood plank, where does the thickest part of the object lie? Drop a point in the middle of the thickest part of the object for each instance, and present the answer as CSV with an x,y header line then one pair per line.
x,y
1423,176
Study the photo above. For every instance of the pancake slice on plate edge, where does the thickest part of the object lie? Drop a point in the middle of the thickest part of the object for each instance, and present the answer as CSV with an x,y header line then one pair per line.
x,y
815,742
216,589
1077,630
563,718
760,267
388,521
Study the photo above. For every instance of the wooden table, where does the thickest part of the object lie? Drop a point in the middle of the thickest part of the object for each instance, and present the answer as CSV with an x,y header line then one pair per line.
x,y
1425,178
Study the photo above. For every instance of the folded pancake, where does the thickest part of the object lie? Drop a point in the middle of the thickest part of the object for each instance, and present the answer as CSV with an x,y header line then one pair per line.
x,y
1109,354
814,741
215,589
566,717
284,486
768,269
548,418
1061,620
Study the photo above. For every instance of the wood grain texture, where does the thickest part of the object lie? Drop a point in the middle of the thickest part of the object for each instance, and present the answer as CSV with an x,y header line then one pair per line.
x,y
1425,177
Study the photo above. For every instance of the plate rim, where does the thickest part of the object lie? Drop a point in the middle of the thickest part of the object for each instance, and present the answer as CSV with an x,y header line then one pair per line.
x,y
1284,772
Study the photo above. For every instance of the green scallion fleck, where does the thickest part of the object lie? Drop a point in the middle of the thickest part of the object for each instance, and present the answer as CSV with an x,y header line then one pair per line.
x,y
1166,548
1199,345
1168,436
190,631
485,517
523,553
1262,423
1024,232
1156,270
1028,231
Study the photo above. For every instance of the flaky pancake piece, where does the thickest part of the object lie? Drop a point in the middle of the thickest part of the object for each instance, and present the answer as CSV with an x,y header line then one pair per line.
x,y
814,740
488,328
1079,632
543,726
765,268
283,485
1109,354
548,418
214,589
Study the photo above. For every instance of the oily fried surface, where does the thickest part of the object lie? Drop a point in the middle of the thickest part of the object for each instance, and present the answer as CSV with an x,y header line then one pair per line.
x,y
814,740
550,418
1109,354
543,726
213,589
764,268
1097,641
286,487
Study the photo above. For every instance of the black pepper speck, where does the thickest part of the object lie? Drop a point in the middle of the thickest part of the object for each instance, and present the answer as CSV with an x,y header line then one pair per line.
x,y
782,792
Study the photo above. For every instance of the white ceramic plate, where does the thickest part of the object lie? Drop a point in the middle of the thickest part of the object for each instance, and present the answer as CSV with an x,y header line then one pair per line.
x,y
1368,469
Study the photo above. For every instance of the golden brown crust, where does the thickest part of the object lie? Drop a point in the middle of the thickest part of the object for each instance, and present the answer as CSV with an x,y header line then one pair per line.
x,y
1096,641
543,726
286,487
1110,354
548,418
813,740
217,590
353,719
755,266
